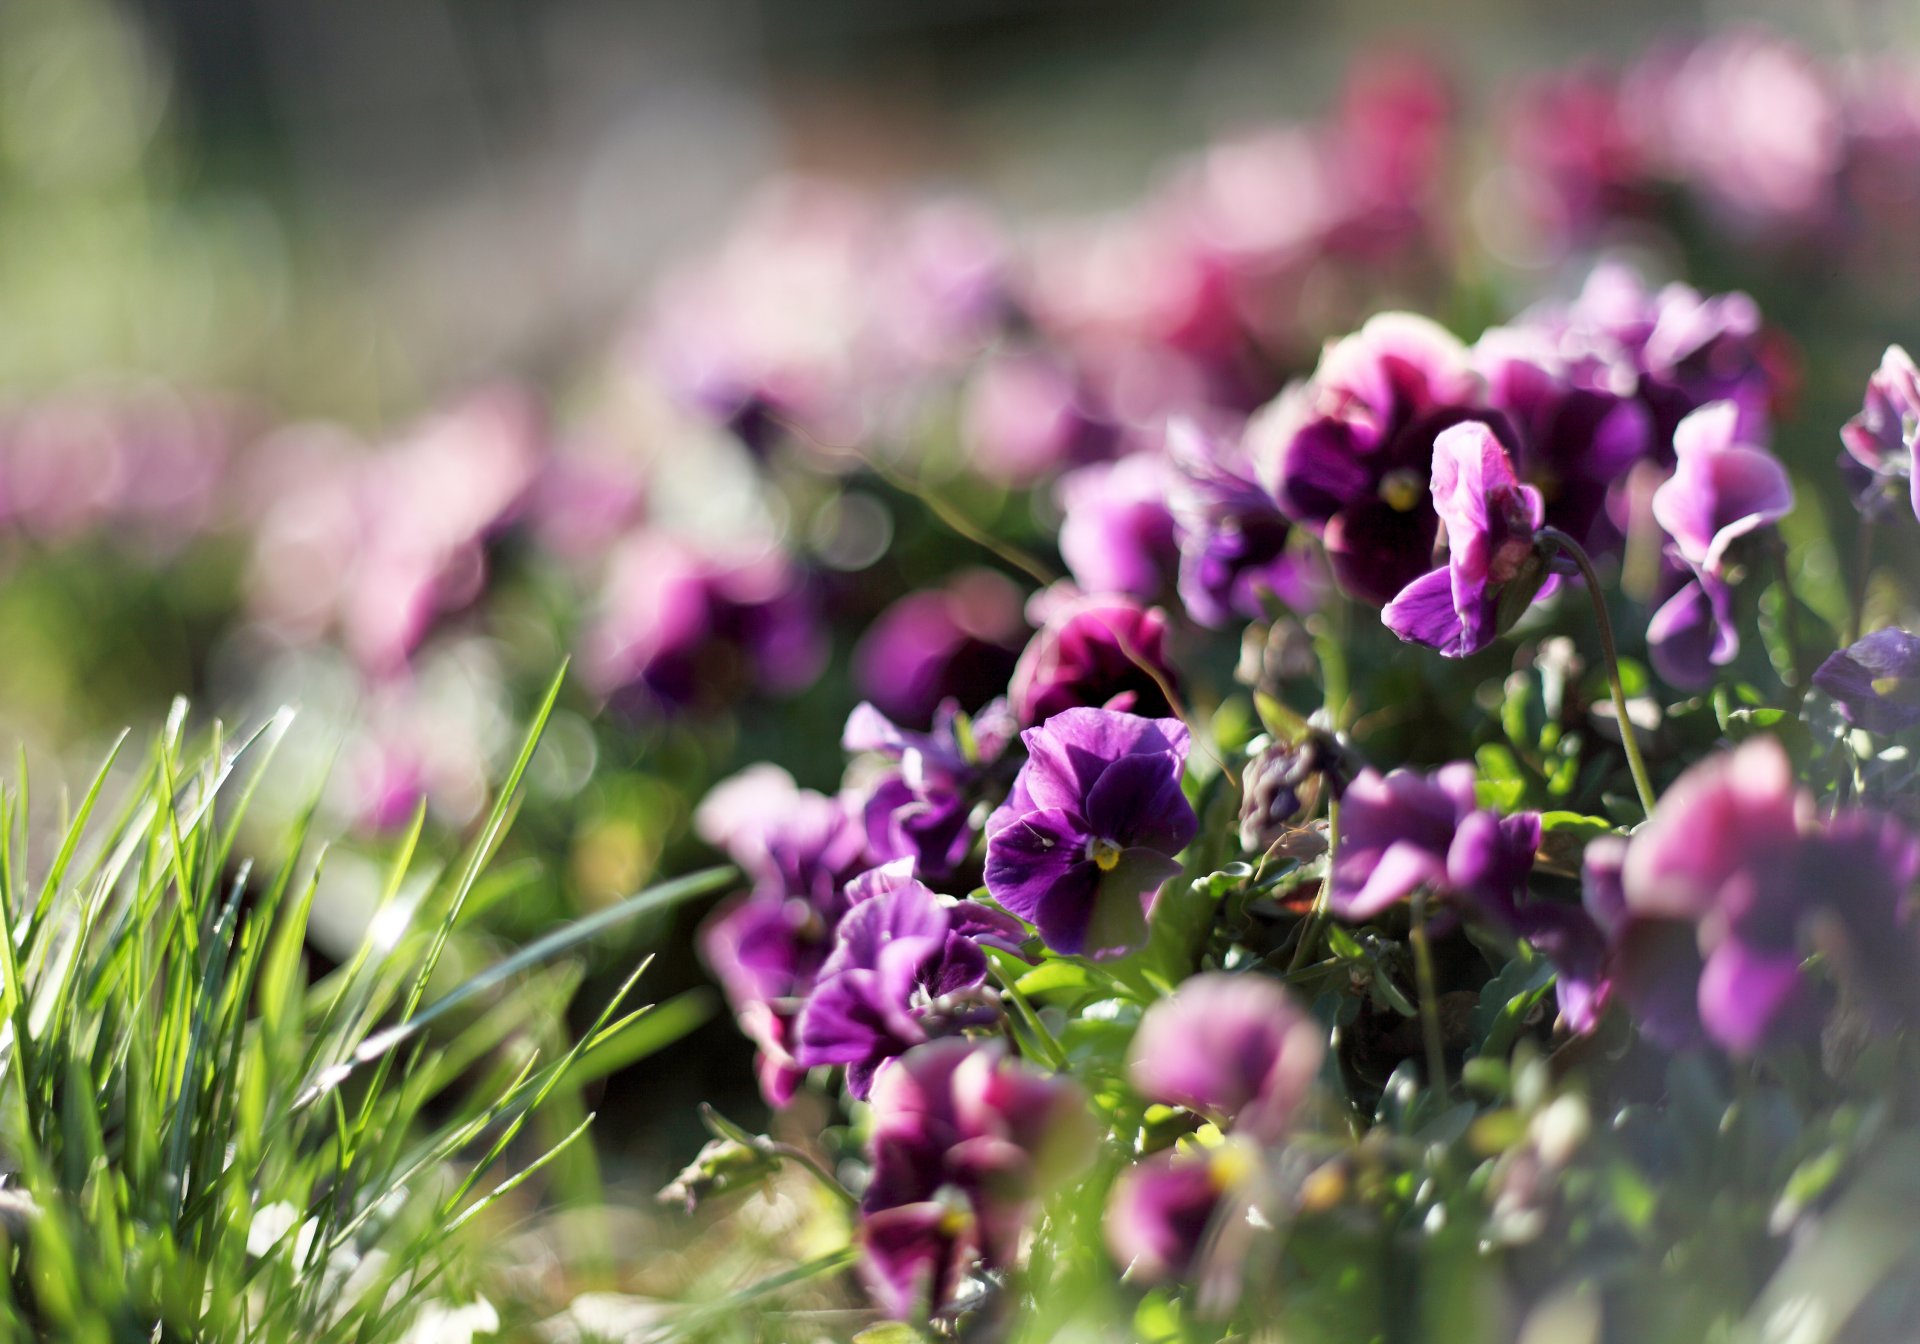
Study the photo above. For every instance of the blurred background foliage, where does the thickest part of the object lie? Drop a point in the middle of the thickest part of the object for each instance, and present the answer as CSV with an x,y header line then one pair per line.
x,y
233,223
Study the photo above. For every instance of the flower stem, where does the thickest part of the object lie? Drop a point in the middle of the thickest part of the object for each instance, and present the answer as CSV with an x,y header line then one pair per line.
x,y
806,1162
1429,1000
1862,576
1560,541
1317,915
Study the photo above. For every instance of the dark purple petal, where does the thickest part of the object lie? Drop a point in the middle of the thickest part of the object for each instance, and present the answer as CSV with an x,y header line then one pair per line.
x,y
1032,855
1876,681
1159,1214
912,1257
1137,802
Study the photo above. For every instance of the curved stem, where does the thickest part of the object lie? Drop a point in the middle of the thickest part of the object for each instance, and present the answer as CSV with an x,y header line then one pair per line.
x,y
1862,576
1317,916
806,1162
1560,541
1429,1000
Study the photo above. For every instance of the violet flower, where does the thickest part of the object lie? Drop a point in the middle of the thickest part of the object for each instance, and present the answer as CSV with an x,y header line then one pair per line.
x,y
1494,567
1876,681
1722,488
900,972
1883,438
1674,349
955,642
1233,539
1737,857
965,1140
1105,652
922,807
1236,1049
800,848
1090,831
1163,1208
1116,528
680,630
1403,830
1577,422
1348,453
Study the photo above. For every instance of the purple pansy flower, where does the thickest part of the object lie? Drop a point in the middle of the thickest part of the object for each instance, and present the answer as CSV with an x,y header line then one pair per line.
x,y
1579,427
1883,439
799,848
1676,350
1116,529
1348,453
1405,830
1725,888
1722,488
1108,652
1090,831
1876,681
900,972
1233,538
1164,1208
679,630
964,1141
955,642
922,807
1492,521
1234,1048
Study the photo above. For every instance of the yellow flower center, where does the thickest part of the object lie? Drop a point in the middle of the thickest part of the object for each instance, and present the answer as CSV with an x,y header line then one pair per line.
x,y
1887,686
1105,854
1233,1163
1401,490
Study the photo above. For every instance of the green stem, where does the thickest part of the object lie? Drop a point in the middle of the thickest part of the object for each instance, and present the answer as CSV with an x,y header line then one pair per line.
x,y
1429,1000
1560,541
803,1159
1862,576
1317,916
1790,622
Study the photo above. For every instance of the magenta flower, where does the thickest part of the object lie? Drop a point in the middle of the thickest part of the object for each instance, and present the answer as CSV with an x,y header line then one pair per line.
x,y
1349,453
800,848
1579,426
1104,652
1234,550
964,1142
922,807
1675,349
1403,830
1233,1048
1090,830
1722,489
1876,681
1735,875
677,629
1164,1209
1116,528
1882,440
1492,521
900,973
956,642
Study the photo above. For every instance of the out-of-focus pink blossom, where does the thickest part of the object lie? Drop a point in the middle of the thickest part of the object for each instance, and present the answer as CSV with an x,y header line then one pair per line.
x,y
957,642
1747,118
678,628
375,546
